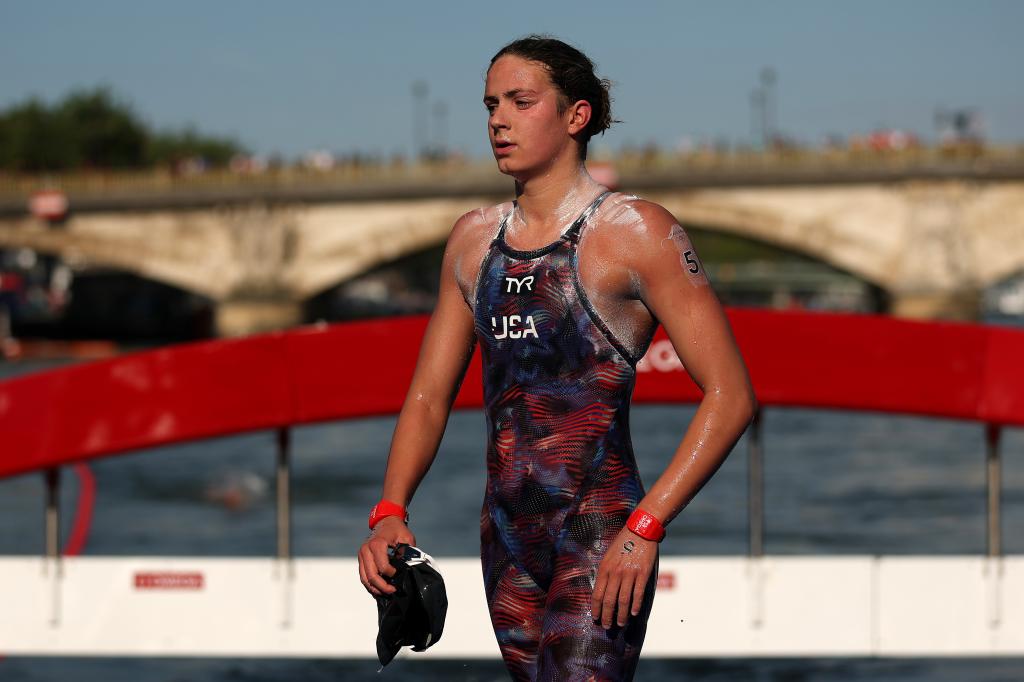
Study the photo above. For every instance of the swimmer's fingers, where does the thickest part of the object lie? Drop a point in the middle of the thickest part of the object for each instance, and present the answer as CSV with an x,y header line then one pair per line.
x,y
611,595
379,550
370,553
364,575
638,590
626,590
366,581
599,587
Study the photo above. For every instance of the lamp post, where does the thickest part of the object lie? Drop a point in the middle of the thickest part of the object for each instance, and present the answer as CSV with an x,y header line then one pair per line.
x,y
440,146
757,130
768,79
419,118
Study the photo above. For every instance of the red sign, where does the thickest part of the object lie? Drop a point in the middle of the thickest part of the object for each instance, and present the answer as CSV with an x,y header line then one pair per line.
x,y
49,204
168,580
666,581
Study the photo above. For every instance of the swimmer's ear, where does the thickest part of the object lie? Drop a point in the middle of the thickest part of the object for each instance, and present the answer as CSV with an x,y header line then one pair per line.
x,y
579,114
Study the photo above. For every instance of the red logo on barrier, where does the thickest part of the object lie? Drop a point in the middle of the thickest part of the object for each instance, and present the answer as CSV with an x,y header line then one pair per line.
x,y
666,581
168,580
660,357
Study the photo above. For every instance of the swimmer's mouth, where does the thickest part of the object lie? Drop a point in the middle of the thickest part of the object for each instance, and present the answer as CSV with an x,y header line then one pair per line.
x,y
502,145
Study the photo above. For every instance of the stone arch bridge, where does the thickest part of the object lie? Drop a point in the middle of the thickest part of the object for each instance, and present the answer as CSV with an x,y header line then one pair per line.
x,y
932,244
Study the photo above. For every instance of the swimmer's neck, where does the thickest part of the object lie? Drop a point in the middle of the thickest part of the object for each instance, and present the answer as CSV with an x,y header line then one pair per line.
x,y
545,199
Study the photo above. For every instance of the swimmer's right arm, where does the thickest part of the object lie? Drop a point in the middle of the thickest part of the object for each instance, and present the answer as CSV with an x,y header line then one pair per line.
x,y
444,355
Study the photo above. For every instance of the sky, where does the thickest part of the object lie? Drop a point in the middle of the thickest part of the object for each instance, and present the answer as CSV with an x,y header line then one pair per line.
x,y
292,77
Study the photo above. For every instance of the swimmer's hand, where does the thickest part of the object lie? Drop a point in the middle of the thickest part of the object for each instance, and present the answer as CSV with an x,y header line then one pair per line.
x,y
622,577
373,555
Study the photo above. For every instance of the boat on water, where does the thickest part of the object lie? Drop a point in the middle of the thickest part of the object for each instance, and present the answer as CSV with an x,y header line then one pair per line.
x,y
63,602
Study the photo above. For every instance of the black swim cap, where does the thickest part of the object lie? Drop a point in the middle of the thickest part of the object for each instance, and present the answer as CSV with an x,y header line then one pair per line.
x,y
414,614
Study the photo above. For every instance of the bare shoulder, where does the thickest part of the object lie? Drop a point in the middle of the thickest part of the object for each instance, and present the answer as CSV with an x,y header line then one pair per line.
x,y
650,241
468,241
480,223
636,223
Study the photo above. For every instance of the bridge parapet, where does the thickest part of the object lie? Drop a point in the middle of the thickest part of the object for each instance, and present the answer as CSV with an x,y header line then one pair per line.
x,y
161,189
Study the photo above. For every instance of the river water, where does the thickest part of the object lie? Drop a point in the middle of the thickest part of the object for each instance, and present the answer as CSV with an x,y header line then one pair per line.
x,y
835,483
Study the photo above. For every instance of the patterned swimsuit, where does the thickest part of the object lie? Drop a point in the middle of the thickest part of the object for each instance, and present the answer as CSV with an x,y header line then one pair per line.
x,y
561,476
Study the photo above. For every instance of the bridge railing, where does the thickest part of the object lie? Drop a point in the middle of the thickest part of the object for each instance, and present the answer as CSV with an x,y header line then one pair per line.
x,y
323,372
697,166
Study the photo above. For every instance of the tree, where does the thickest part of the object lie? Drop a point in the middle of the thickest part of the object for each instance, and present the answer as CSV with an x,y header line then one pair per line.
x,y
92,129
104,133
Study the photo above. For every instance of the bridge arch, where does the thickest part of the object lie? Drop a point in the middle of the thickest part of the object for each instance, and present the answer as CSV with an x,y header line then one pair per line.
x,y
96,251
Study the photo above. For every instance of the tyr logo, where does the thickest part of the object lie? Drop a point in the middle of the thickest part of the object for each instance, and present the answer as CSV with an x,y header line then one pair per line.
x,y
520,283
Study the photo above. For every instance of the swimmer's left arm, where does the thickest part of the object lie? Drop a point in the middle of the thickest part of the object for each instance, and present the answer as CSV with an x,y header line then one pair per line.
x,y
675,288
672,284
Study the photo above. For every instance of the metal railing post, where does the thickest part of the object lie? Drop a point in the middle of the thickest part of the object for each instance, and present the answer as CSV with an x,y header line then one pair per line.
x,y
755,489
284,569
993,484
284,508
52,561
52,513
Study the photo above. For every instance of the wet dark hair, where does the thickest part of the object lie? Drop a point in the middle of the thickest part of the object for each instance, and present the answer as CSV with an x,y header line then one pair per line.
x,y
572,73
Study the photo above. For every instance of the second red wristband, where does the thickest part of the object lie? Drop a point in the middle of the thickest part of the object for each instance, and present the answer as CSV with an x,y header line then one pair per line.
x,y
646,525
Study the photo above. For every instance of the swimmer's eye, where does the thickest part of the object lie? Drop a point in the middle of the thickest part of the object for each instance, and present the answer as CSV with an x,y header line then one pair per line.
x,y
522,103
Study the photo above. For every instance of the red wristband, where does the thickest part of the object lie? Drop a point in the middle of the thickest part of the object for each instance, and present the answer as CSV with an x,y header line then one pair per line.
x,y
645,525
386,508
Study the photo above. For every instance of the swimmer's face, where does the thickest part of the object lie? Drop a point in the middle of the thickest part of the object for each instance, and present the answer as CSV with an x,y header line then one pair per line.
x,y
524,126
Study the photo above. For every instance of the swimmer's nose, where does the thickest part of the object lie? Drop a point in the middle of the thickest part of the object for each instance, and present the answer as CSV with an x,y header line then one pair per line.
x,y
497,121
